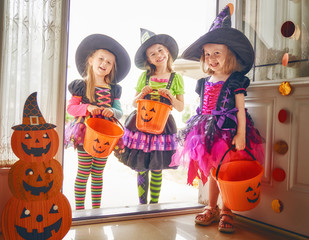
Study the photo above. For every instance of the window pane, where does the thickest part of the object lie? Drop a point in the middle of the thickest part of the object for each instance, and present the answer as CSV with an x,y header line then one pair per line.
x,y
278,30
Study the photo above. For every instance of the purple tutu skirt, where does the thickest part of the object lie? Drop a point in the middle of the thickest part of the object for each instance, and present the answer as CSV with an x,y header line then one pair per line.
x,y
145,151
202,145
75,132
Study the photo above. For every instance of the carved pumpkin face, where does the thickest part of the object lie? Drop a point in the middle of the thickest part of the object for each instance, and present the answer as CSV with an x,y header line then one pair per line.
x,y
49,219
39,180
147,114
98,146
35,145
253,195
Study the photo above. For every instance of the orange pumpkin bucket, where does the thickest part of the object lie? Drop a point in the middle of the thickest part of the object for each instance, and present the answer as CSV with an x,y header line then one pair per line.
x,y
239,182
101,136
151,116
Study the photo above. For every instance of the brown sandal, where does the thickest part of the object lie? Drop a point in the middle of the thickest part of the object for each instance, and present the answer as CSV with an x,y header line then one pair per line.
x,y
228,220
209,215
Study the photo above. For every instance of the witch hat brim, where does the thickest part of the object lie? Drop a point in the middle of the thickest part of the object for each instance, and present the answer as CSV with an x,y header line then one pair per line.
x,y
234,39
165,40
100,41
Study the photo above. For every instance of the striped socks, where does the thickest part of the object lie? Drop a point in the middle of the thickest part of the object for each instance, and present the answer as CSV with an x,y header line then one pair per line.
x,y
86,165
83,172
143,185
97,169
155,186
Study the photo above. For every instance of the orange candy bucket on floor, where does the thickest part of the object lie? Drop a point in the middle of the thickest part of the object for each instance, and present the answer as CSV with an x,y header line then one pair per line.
x,y
239,182
101,136
151,116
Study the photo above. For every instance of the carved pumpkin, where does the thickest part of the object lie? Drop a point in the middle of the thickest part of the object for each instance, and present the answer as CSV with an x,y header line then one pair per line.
x,y
151,116
35,145
48,219
39,180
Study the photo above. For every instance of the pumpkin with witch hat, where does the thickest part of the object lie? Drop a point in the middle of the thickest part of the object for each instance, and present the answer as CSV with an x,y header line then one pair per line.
x,y
38,209
34,139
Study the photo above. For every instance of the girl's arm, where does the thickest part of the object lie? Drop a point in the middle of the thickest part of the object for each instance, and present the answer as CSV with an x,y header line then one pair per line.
x,y
75,108
117,110
139,95
240,138
177,102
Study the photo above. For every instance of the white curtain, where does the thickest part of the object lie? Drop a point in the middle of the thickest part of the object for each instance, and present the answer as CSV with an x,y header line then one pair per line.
x,y
31,48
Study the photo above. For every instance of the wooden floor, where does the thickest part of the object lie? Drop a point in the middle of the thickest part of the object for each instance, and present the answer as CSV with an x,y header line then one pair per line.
x,y
180,227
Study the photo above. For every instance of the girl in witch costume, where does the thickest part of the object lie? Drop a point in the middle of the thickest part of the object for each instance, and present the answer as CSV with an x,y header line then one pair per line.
x,y
103,63
143,151
222,120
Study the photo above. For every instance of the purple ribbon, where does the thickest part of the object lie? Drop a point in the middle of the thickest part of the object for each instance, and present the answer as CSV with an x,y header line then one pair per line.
x,y
224,113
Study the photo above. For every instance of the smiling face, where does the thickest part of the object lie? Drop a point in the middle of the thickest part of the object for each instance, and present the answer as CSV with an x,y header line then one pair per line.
x,y
35,145
157,55
253,195
100,146
33,181
102,62
147,114
215,56
48,219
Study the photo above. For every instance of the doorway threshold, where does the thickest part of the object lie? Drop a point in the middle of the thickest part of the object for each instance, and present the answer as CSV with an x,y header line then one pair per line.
x,y
113,214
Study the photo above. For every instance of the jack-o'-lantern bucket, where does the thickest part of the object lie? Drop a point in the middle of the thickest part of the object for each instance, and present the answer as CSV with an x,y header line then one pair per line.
x,y
239,182
151,116
101,136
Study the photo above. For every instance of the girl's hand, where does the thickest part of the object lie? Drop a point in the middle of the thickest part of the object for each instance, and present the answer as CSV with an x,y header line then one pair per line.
x,y
146,90
165,93
94,110
239,141
107,112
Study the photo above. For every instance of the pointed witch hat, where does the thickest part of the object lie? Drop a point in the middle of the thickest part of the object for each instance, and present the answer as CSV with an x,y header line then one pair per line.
x,y
32,116
221,32
148,39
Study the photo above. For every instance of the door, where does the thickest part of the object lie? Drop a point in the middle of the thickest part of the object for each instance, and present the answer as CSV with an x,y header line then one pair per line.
x,y
278,30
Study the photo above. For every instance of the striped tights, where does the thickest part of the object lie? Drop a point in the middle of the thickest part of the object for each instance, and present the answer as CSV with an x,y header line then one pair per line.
x,y
143,185
89,165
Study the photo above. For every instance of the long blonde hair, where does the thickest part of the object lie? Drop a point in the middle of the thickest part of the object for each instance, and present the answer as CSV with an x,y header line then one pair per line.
x,y
231,64
90,78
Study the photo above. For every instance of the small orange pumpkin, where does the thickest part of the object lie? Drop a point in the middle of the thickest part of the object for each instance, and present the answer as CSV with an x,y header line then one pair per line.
x,y
39,180
48,219
35,145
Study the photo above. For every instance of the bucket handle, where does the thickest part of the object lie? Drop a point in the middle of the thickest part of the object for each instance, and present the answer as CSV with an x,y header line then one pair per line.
x,y
233,146
115,120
